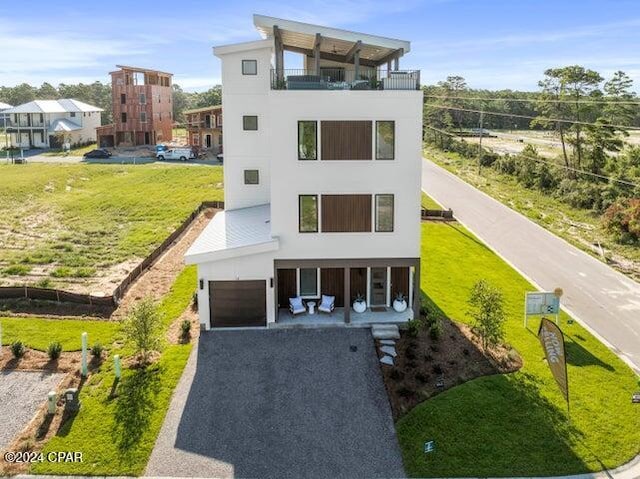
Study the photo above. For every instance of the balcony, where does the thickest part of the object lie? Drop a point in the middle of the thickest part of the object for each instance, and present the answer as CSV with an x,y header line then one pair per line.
x,y
343,79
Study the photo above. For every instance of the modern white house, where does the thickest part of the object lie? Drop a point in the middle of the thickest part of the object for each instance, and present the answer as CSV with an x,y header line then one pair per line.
x,y
322,182
52,123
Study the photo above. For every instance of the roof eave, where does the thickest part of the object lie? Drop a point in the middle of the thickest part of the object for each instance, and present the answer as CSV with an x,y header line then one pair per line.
x,y
228,253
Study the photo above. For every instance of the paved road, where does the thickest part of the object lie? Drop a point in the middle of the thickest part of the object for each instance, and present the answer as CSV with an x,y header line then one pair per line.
x,y
605,301
280,404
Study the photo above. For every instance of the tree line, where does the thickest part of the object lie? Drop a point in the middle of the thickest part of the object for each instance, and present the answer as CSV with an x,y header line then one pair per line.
x,y
596,167
99,94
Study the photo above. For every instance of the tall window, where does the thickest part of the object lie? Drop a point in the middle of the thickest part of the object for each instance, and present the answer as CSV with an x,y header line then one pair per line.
x,y
123,117
384,213
308,213
385,140
251,177
307,140
308,280
143,116
123,98
143,99
250,122
249,67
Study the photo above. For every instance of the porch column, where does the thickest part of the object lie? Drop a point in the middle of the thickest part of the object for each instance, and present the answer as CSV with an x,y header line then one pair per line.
x,y
316,54
417,292
356,63
347,295
279,53
396,63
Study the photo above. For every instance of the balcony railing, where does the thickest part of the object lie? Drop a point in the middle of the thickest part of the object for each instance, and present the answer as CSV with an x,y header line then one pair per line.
x,y
341,79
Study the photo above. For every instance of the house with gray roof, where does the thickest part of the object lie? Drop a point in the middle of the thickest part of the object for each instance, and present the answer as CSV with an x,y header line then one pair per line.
x,y
3,117
52,123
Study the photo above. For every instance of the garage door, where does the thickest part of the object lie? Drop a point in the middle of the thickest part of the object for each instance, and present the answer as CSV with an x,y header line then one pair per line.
x,y
237,303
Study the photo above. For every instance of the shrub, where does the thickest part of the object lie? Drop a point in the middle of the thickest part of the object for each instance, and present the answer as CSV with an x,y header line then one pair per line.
x,y
185,328
143,327
43,283
622,220
413,327
435,331
16,270
17,349
54,350
96,350
487,311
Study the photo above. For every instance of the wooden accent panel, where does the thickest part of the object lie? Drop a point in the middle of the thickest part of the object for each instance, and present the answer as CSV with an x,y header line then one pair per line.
x,y
399,282
358,283
346,213
286,286
346,140
238,303
332,284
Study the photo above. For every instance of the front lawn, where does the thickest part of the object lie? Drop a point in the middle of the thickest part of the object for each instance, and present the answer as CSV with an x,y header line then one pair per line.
x,y
116,434
429,203
82,227
37,333
517,424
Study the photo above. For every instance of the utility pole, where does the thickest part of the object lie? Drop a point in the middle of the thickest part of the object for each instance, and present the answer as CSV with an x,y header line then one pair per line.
x,y
480,142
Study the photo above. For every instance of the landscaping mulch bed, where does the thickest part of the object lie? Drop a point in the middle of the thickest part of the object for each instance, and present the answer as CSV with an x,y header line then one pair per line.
x,y
34,360
452,359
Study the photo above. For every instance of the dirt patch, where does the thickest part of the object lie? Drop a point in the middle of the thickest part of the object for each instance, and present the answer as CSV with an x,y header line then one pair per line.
x,y
175,335
39,361
425,367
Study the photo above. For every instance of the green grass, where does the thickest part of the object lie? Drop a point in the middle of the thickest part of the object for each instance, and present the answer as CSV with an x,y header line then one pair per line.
x,y
580,227
73,219
117,435
75,151
516,425
429,203
37,333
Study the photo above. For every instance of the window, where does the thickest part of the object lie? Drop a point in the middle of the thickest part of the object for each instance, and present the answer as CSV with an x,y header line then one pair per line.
x,y
207,121
72,114
143,99
307,140
346,213
308,213
251,177
250,122
143,117
249,67
123,98
385,140
308,279
123,117
384,213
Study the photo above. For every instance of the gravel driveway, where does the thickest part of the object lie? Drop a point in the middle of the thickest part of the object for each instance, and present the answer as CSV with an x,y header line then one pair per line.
x,y
21,393
280,403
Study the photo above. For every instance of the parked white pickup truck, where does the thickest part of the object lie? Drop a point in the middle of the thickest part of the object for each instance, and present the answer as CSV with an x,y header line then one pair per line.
x,y
182,154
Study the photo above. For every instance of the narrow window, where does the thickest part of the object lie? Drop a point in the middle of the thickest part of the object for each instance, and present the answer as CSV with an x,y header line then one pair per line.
x,y
143,99
308,283
249,122
307,140
123,98
385,140
251,177
249,67
384,213
123,117
143,116
308,213
73,114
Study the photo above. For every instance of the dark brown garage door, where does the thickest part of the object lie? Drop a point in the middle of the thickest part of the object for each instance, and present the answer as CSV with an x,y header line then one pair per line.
x,y
237,303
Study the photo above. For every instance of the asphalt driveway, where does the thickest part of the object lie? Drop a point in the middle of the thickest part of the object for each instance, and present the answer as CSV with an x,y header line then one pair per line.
x,y
280,403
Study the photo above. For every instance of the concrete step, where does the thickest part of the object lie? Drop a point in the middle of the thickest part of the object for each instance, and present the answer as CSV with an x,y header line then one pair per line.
x,y
385,331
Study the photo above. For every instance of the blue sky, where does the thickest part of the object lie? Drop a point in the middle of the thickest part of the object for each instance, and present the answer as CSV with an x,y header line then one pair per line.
x,y
492,43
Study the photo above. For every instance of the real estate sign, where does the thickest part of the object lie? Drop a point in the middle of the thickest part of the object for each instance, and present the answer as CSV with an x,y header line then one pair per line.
x,y
552,341
541,304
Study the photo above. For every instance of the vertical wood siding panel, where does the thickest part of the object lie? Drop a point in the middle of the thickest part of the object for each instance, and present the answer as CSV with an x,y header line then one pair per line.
x,y
346,213
332,283
399,281
286,286
346,140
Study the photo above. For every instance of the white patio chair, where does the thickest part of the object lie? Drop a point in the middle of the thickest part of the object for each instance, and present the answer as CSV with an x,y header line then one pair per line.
x,y
328,304
296,306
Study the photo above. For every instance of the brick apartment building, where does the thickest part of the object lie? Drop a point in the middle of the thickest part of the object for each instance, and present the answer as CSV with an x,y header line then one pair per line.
x,y
142,108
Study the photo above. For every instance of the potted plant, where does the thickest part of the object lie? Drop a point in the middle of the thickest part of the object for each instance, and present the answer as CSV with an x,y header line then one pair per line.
x,y
400,303
359,305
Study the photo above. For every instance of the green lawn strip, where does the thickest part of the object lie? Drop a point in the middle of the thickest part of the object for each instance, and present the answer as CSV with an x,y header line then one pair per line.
x,y
75,151
80,216
429,203
37,333
117,435
516,425
580,227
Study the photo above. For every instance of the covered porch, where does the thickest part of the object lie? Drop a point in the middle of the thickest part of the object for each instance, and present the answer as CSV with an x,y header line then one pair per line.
x,y
376,281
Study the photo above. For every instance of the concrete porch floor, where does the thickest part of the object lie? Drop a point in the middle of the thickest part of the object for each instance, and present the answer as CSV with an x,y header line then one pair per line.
x,y
306,320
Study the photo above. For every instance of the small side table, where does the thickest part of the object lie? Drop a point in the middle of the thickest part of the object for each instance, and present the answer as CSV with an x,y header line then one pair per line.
x,y
312,307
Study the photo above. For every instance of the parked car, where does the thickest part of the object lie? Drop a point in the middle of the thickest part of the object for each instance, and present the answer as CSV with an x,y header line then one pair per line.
x,y
220,157
182,154
98,153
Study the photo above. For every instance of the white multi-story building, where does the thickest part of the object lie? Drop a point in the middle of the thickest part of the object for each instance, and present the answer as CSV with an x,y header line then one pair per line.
x,y
322,180
52,123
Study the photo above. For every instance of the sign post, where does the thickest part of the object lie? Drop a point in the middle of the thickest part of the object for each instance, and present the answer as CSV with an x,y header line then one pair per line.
x,y
542,304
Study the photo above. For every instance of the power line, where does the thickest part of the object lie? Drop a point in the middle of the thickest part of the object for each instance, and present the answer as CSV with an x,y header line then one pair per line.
x,y
541,118
524,100
548,162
